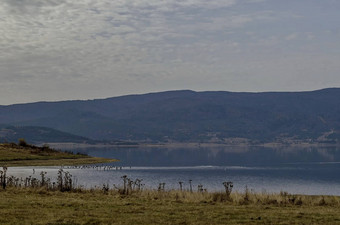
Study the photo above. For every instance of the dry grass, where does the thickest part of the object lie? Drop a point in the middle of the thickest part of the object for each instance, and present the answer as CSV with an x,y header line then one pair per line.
x,y
41,206
14,155
38,206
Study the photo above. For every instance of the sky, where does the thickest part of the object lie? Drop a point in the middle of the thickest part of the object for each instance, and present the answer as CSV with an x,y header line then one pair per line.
x,y
54,50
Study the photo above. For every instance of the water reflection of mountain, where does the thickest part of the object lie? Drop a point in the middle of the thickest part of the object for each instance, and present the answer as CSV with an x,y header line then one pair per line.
x,y
223,156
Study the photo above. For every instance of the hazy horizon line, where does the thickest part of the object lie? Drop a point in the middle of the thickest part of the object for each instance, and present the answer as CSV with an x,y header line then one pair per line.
x,y
165,91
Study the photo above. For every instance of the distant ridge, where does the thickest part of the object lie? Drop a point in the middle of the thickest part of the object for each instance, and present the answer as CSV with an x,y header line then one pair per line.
x,y
189,116
33,135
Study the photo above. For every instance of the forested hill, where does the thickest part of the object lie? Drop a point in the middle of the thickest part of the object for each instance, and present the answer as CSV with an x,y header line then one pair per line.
x,y
189,116
35,135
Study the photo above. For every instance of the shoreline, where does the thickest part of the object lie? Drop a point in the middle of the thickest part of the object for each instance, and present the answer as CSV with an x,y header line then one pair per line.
x,y
12,155
192,145
57,162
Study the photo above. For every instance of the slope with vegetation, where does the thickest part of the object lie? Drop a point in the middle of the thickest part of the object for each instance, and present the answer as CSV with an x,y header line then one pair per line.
x,y
23,154
188,116
33,134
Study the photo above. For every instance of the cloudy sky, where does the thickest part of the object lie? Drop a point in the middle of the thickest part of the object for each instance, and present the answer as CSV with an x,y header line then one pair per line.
x,y
86,49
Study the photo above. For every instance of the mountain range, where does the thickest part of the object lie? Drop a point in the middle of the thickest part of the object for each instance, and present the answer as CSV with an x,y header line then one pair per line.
x,y
186,116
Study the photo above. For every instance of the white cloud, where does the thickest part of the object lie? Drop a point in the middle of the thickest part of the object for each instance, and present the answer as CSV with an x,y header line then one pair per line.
x,y
132,46
31,7
291,37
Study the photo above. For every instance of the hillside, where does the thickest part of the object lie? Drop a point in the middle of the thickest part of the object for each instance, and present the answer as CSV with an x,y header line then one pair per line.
x,y
30,155
34,135
189,116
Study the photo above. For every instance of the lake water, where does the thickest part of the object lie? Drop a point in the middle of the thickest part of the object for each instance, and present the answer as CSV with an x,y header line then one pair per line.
x,y
295,170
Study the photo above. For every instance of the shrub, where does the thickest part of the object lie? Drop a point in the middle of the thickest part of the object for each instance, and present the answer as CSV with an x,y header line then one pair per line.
x,y
22,142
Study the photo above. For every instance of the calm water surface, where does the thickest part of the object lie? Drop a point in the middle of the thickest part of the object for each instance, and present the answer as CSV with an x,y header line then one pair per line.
x,y
295,170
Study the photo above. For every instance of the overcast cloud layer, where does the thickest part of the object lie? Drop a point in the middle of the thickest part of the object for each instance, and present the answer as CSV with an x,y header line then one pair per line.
x,y
85,49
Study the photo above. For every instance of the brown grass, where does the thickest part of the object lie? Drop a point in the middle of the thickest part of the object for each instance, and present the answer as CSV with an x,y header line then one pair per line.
x,y
14,155
38,206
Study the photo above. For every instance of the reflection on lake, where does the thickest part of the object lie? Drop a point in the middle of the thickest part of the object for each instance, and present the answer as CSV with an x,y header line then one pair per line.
x,y
224,156
296,170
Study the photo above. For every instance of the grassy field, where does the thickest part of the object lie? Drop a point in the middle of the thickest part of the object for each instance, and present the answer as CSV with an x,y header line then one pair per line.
x,y
16,155
38,206
30,201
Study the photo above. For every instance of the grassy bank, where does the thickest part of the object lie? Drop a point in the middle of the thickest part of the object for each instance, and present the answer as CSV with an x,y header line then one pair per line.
x,y
29,155
59,201
38,206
